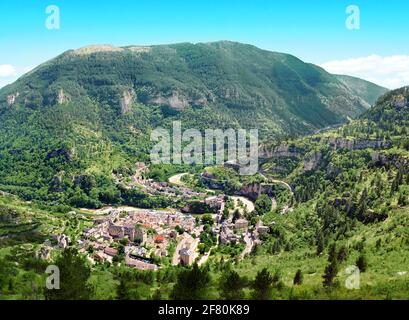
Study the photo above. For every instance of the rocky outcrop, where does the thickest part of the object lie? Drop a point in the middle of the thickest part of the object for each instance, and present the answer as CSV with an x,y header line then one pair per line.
x,y
61,97
312,162
126,101
210,181
253,191
95,49
176,101
283,150
342,143
397,161
57,183
250,191
11,99
400,101
139,49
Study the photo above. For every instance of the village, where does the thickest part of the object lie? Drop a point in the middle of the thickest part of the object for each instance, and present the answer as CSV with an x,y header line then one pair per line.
x,y
144,238
148,239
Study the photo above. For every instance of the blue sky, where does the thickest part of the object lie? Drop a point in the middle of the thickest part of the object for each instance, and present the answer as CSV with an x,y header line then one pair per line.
x,y
313,30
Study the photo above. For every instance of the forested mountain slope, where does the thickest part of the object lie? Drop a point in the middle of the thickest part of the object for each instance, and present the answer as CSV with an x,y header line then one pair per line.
x,y
88,112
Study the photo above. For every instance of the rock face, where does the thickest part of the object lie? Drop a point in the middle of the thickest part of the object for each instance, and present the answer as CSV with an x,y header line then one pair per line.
x,y
175,101
57,184
398,162
96,48
61,97
400,101
126,101
283,150
11,99
342,143
312,162
210,181
253,191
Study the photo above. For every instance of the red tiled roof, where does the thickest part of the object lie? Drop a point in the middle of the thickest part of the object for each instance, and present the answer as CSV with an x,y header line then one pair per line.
x,y
159,238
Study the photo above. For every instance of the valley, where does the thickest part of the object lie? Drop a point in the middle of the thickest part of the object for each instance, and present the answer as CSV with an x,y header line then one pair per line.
x,y
79,189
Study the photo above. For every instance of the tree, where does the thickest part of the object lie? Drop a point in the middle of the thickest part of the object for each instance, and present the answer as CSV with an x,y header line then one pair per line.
x,y
7,275
157,295
320,243
122,290
361,263
402,200
226,213
263,204
330,274
207,219
236,215
275,247
331,269
74,275
298,278
30,286
342,254
192,284
231,286
332,253
397,181
262,285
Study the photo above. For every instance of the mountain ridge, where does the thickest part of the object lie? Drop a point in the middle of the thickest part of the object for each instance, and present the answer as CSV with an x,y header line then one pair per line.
x,y
288,95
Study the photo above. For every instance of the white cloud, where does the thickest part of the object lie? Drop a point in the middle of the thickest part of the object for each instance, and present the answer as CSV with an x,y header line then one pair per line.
x,y
391,72
9,73
7,70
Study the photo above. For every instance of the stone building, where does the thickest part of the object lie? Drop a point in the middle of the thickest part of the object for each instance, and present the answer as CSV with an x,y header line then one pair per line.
x,y
186,256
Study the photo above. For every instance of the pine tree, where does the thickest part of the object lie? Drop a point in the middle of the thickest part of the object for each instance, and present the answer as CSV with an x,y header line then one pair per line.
x,y
262,285
192,284
332,253
397,181
231,286
74,275
342,254
361,263
298,278
157,295
402,200
122,290
320,243
330,274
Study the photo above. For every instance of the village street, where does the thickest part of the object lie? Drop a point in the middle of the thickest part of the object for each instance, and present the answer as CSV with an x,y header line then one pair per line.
x,y
249,245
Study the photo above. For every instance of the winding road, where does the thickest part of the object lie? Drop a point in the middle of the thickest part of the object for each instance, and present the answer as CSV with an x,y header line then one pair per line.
x,y
177,179
249,205
274,181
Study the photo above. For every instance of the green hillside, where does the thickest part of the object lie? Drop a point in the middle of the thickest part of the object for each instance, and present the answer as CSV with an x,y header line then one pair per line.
x,y
88,112
364,89
349,210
